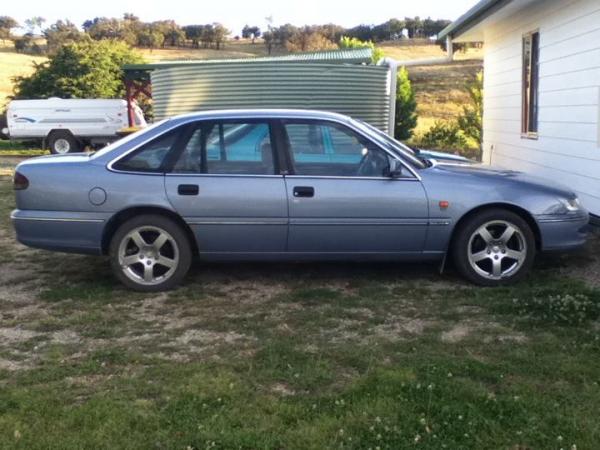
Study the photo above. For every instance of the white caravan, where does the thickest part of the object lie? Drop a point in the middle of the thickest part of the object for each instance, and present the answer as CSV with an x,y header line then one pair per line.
x,y
68,125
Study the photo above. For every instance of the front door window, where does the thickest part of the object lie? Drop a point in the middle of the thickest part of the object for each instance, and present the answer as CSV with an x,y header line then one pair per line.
x,y
320,149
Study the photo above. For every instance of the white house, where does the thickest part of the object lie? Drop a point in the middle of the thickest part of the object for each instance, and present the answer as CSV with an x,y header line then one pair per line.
x,y
542,87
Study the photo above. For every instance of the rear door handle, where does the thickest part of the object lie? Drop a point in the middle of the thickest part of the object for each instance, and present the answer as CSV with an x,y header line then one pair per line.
x,y
188,189
304,191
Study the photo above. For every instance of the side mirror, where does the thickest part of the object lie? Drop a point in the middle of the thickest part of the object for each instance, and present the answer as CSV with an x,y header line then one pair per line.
x,y
395,169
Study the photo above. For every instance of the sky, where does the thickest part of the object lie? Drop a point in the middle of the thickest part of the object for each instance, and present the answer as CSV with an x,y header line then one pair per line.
x,y
235,14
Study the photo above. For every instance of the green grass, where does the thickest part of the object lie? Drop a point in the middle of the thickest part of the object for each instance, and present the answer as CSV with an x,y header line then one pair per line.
x,y
306,356
11,148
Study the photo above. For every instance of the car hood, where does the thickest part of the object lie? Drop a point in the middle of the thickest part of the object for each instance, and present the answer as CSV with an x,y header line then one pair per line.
x,y
491,174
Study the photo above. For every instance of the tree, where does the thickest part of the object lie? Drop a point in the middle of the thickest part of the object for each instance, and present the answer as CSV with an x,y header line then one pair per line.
x,y
62,33
150,37
220,34
207,35
283,34
103,28
414,27
23,43
175,37
406,107
390,30
433,27
361,32
251,33
470,121
172,33
194,34
332,31
87,69
308,39
269,40
6,25
34,23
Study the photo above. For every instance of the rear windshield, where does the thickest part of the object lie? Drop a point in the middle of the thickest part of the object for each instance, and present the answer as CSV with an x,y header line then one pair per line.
x,y
126,139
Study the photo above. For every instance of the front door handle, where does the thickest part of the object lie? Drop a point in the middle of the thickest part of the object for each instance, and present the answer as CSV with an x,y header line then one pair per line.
x,y
304,191
188,189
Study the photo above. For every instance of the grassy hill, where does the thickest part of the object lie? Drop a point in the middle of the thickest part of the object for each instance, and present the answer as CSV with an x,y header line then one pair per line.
x,y
11,65
232,49
440,89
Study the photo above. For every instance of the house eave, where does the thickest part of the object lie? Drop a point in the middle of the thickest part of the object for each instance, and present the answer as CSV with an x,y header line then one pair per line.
x,y
473,17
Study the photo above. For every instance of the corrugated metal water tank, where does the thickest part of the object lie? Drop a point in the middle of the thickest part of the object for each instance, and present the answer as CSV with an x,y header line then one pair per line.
x,y
361,91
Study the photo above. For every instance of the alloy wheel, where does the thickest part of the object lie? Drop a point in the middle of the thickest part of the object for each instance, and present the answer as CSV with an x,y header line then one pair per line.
x,y
497,250
148,255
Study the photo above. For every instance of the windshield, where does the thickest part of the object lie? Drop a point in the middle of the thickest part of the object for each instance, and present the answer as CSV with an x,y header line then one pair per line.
x,y
126,139
395,145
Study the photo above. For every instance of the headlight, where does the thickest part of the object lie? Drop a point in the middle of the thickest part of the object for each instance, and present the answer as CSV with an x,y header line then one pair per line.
x,y
572,204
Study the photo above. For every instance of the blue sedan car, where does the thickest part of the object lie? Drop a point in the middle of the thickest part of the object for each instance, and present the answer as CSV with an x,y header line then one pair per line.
x,y
286,185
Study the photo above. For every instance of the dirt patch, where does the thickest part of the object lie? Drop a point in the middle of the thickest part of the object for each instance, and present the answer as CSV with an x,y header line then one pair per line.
x,y
400,328
282,390
6,364
487,331
209,337
16,335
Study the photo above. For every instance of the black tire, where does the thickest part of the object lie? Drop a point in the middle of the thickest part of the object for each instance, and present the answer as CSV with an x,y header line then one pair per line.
x,y
62,142
469,245
179,249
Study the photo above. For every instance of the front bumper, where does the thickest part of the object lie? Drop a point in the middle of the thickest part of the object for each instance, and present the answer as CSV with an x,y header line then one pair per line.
x,y
72,232
564,233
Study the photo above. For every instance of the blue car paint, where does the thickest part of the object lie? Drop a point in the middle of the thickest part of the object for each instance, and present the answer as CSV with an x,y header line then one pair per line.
x,y
255,218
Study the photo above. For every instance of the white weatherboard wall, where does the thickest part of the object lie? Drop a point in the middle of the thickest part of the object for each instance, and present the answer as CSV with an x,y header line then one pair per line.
x,y
568,147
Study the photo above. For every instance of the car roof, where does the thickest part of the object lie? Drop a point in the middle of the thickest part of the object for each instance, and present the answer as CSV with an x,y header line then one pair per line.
x,y
264,113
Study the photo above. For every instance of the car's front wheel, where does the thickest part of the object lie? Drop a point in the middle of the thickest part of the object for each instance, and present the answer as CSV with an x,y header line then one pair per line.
x,y
494,247
150,253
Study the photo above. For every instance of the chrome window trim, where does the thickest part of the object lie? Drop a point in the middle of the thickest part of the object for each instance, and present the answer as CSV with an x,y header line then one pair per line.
x,y
189,120
219,175
335,177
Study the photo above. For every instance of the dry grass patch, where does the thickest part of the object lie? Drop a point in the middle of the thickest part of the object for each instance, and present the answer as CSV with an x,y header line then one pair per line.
x,y
13,65
440,90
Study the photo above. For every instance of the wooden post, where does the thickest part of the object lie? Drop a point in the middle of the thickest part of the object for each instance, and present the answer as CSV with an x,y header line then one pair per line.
x,y
129,96
449,48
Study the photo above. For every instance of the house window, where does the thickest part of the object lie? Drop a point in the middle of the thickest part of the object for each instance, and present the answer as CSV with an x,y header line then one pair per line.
x,y
531,75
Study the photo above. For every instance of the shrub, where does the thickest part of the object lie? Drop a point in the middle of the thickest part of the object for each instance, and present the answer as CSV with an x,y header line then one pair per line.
x,y
470,120
347,42
406,107
89,69
444,135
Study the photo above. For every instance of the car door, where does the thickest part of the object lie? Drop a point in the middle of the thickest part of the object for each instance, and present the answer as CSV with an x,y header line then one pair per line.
x,y
342,198
225,182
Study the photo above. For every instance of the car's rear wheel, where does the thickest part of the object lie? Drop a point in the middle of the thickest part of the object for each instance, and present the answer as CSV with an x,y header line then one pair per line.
x,y
150,253
494,247
63,142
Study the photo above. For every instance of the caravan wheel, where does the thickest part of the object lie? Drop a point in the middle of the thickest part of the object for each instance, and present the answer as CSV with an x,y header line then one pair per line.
x,y
63,142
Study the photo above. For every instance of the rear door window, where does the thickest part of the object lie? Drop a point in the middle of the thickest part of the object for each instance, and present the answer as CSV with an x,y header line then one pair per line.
x,y
228,148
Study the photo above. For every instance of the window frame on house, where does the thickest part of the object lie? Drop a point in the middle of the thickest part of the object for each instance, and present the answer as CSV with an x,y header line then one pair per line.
x,y
530,85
